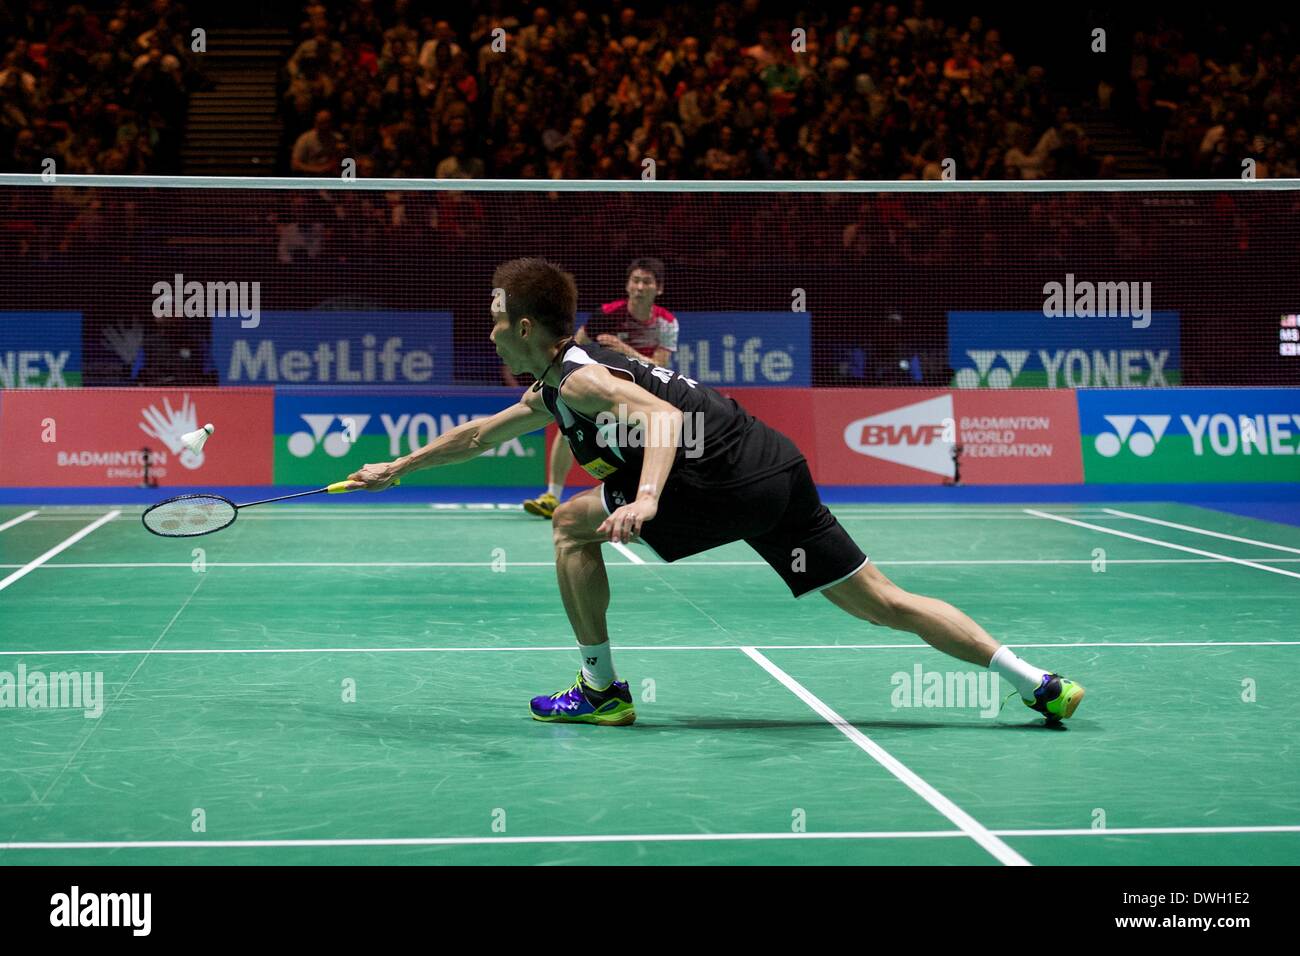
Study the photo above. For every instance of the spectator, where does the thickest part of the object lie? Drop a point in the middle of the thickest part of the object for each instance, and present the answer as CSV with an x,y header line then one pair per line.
x,y
316,152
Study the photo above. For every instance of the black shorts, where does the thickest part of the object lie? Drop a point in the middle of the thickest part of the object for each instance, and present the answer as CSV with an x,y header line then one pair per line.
x,y
780,516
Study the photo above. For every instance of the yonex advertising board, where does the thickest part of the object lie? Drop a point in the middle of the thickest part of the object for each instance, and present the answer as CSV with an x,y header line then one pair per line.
x,y
322,438
40,349
344,349
1029,350
97,437
1190,435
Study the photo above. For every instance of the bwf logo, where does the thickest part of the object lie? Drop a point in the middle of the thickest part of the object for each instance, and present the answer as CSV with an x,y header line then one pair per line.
x,y
1141,443
76,909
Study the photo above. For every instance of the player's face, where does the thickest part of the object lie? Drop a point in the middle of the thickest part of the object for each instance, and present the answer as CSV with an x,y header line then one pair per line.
x,y
641,285
507,343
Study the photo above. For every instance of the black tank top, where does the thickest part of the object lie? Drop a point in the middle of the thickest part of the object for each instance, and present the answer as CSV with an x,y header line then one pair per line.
x,y
722,445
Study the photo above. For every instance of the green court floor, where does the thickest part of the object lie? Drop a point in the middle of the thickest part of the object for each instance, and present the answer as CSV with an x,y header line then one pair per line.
x,y
343,684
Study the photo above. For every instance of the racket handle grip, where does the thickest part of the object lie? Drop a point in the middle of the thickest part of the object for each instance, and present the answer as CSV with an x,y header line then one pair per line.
x,y
341,487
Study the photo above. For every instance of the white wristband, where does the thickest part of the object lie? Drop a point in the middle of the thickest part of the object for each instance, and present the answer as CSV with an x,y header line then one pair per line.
x,y
653,489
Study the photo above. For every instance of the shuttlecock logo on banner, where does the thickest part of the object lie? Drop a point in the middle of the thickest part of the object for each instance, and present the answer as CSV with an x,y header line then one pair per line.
x,y
178,430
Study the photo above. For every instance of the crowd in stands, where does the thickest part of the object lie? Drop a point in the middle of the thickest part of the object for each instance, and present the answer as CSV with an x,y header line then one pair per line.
x,y
96,94
1206,100
740,89
726,91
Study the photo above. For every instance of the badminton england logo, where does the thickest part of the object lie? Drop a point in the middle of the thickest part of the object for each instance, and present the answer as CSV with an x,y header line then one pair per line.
x,y
170,426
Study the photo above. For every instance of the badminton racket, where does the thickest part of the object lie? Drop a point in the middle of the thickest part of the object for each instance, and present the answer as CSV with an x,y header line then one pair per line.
x,y
188,516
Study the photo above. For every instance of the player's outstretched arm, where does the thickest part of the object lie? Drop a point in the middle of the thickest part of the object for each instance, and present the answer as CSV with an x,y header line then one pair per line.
x,y
593,391
460,443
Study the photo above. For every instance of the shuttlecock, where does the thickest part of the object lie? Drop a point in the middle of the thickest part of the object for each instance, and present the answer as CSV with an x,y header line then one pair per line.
x,y
195,440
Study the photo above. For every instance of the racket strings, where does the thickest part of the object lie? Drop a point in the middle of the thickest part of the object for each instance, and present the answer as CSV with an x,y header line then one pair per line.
x,y
189,515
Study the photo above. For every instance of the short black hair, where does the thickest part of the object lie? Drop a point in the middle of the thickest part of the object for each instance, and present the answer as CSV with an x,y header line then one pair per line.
x,y
540,290
651,265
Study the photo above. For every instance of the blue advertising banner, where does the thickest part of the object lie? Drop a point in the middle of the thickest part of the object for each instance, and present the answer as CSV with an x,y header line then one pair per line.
x,y
745,348
1030,350
335,348
40,349
1190,435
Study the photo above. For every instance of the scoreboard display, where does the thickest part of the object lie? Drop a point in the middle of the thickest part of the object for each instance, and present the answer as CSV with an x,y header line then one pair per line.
x,y
1289,336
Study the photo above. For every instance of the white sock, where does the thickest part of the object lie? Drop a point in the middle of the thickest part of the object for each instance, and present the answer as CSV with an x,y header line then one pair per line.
x,y
557,490
1024,677
597,665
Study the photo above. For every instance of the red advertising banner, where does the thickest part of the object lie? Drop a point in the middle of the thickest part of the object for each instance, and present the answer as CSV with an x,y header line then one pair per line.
x,y
71,437
908,436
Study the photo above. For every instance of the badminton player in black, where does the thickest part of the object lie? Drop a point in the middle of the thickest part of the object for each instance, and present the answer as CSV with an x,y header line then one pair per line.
x,y
684,470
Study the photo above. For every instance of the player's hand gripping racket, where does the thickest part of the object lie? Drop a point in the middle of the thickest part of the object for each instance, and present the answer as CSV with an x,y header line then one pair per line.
x,y
188,516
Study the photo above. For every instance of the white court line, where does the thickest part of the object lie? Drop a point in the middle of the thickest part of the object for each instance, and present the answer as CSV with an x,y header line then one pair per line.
x,y
627,552
19,520
963,820
849,516
675,564
568,648
1196,530
1164,544
58,548
624,838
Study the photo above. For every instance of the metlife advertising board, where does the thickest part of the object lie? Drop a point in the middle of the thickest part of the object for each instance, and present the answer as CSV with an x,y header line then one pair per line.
x,y
1190,435
345,349
322,438
745,349
1029,350
40,349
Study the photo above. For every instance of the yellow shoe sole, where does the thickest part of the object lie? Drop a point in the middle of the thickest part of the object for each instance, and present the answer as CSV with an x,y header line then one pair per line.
x,y
534,508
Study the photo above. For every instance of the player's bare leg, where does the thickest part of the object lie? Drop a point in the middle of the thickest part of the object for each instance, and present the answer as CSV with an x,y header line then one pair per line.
x,y
598,696
580,566
869,595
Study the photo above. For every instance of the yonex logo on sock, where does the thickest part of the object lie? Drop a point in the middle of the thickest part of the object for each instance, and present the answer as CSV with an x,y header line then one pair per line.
x,y
1140,443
